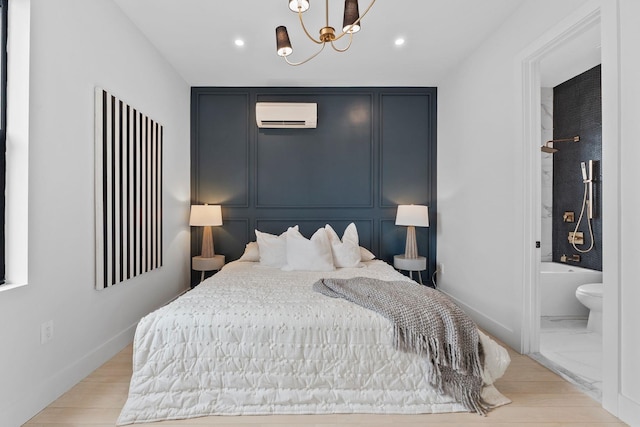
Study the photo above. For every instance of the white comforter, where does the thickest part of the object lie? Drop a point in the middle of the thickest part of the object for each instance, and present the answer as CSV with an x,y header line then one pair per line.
x,y
257,340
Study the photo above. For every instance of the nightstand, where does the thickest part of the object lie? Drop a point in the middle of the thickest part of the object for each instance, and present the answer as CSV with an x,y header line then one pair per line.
x,y
419,264
199,263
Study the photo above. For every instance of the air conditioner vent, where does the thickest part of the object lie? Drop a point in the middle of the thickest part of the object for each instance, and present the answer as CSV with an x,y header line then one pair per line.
x,y
286,115
279,123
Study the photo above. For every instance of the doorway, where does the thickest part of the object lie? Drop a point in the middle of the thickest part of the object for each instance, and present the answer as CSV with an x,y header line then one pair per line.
x,y
570,272
558,55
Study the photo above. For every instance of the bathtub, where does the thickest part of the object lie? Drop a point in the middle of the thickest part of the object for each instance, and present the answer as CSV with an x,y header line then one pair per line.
x,y
558,284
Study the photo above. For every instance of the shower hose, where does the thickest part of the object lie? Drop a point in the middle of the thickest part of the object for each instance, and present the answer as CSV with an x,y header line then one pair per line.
x,y
573,242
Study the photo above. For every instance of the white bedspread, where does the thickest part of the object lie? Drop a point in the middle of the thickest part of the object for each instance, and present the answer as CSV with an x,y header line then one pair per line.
x,y
257,340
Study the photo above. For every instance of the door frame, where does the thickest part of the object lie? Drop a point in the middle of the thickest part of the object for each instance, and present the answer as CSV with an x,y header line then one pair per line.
x,y
605,14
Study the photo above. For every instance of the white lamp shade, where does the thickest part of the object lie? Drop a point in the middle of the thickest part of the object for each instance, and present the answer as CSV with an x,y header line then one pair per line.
x,y
203,215
413,215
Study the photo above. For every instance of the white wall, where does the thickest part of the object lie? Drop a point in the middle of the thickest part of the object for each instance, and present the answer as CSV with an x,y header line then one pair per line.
x,y
629,295
479,173
76,45
480,185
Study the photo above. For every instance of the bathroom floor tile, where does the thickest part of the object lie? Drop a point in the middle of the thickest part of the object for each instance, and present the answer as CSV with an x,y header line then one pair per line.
x,y
563,323
573,350
586,365
570,341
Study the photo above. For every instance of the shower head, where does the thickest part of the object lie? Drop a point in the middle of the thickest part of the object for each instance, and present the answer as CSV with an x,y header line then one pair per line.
x,y
548,146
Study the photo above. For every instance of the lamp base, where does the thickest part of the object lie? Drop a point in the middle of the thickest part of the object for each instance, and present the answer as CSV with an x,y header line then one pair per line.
x,y
411,247
207,243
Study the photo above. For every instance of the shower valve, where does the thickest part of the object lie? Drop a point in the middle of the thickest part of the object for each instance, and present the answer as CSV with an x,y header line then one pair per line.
x,y
576,238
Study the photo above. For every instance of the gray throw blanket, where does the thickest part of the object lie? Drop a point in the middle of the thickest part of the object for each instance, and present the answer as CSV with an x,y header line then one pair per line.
x,y
427,323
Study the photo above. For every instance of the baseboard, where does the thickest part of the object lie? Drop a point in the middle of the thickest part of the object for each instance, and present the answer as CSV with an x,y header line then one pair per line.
x,y
492,326
628,411
25,406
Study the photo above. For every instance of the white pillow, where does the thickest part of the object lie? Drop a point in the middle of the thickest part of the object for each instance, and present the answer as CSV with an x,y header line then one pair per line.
x,y
272,248
308,255
366,254
346,253
251,253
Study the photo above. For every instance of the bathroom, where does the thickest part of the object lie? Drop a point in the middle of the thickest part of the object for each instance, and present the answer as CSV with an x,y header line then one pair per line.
x,y
570,280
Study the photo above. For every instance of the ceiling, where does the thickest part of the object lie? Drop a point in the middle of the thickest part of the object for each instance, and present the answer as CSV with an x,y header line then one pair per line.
x,y
197,38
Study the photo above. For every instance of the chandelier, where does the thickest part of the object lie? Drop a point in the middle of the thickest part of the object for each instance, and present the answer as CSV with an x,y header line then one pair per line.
x,y
350,25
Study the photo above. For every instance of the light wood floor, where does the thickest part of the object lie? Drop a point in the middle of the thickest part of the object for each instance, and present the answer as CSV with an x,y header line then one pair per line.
x,y
540,399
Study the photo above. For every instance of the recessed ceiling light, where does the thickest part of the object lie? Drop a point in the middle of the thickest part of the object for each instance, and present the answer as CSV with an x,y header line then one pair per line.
x,y
399,41
239,42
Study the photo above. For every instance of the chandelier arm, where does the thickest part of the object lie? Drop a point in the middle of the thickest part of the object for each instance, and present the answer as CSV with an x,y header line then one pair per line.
x,y
346,48
306,60
356,22
305,29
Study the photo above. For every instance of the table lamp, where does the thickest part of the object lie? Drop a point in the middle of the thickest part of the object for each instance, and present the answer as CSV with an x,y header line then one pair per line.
x,y
412,216
206,216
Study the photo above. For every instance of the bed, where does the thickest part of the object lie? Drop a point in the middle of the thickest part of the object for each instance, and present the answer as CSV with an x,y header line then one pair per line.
x,y
258,340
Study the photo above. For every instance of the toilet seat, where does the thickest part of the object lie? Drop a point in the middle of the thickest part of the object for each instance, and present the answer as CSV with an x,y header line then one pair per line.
x,y
591,289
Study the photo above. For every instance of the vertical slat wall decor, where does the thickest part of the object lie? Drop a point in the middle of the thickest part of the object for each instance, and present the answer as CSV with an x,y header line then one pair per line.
x,y
373,149
128,191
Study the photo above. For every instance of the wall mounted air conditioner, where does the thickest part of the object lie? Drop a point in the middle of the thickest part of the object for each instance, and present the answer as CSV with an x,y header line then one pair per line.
x,y
286,114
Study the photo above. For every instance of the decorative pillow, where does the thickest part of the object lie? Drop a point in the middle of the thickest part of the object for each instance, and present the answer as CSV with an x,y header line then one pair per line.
x,y
251,253
366,254
272,248
346,253
308,254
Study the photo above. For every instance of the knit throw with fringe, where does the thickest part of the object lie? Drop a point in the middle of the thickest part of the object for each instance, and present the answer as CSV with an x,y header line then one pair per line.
x,y
428,323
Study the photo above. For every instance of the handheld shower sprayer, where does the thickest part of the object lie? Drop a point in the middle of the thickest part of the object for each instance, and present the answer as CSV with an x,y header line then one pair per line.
x,y
587,203
587,179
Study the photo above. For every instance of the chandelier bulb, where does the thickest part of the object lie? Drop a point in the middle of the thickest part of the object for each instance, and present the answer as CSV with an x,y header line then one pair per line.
x,y
302,5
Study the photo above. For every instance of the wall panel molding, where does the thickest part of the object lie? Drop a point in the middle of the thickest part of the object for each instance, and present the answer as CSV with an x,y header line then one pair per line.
x,y
222,153
405,134
373,148
336,154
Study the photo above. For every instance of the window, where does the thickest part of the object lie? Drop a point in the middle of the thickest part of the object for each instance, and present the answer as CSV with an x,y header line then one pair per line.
x,y
3,122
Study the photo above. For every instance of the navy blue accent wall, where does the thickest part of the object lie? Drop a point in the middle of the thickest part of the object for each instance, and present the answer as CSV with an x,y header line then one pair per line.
x,y
373,148
577,110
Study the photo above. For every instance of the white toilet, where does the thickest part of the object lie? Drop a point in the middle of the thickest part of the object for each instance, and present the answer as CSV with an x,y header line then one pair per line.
x,y
590,295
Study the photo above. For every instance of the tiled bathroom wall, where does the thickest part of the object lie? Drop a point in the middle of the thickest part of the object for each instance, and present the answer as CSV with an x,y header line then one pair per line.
x,y
547,176
577,111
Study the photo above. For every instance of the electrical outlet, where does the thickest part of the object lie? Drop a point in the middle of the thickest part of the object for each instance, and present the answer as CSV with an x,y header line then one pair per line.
x,y
440,268
46,331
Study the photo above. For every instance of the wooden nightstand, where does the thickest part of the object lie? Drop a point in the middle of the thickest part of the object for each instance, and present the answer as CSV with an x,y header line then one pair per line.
x,y
419,264
199,263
